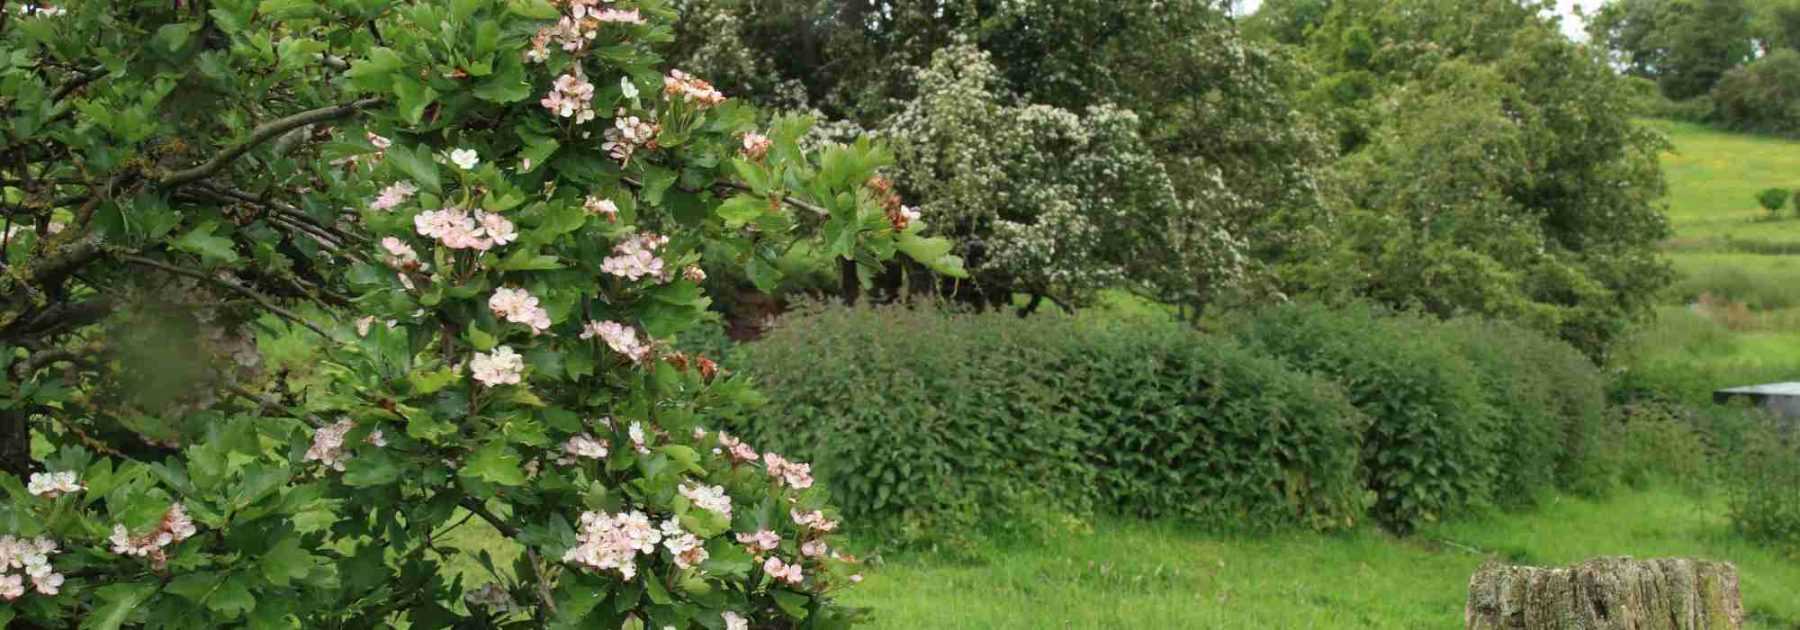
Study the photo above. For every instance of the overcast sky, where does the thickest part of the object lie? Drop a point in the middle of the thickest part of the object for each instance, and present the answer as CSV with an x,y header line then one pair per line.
x,y
1571,24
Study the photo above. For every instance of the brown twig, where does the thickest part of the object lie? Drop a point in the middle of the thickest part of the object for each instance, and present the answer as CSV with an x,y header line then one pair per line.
x,y
263,133
260,299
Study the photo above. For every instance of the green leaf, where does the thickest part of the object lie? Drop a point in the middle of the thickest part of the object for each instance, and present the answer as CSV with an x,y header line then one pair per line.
x,y
506,86
375,74
934,253
742,209
412,96
429,382
232,599
495,463
534,9
657,180
417,165
118,602
794,604
480,339
173,37
374,467
286,562
527,260
201,242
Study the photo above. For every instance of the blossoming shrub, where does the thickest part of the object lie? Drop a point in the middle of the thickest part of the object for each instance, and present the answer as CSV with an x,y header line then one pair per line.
x,y
429,257
917,419
1432,446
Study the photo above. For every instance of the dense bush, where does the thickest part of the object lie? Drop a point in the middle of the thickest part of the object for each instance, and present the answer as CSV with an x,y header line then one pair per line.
x,y
1773,199
915,417
1763,95
1551,402
1433,444
1763,482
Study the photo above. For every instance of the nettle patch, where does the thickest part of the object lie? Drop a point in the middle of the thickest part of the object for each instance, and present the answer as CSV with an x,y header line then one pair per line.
x,y
421,263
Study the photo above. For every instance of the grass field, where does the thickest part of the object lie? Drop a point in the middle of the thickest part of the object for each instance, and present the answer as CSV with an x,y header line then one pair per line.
x,y
1128,574
1734,313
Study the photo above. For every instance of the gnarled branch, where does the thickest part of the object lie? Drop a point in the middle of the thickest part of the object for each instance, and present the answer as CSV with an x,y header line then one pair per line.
x,y
264,133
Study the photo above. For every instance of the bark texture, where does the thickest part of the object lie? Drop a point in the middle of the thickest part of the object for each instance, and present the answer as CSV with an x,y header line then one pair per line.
x,y
1607,594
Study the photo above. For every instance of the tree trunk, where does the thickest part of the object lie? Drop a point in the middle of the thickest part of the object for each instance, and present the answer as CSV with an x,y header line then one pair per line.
x,y
15,443
1607,594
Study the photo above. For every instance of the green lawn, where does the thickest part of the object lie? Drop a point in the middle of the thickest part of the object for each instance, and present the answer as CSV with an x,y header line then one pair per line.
x,y
1139,575
1726,247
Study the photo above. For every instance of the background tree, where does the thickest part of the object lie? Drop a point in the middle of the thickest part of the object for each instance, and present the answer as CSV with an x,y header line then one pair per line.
x,y
1686,46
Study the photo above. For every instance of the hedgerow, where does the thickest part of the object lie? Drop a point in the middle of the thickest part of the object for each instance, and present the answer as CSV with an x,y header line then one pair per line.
x,y
1433,445
915,417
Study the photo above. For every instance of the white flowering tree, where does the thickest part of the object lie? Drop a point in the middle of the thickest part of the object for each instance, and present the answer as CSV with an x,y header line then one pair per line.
x,y
295,293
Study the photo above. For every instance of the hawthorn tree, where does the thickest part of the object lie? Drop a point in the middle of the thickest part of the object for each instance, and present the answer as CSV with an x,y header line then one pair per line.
x,y
294,290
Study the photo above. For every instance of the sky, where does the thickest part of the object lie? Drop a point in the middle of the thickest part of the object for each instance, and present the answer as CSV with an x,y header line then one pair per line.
x,y
1571,25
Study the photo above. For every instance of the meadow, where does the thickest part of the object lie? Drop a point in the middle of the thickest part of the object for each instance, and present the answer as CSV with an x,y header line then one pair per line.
x,y
1732,317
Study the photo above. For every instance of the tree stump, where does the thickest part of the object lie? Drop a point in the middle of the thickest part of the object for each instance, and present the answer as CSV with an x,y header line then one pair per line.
x,y
1607,594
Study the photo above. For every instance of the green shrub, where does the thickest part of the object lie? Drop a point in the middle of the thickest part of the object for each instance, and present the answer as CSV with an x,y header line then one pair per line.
x,y
1764,487
1773,199
1431,449
1551,402
924,422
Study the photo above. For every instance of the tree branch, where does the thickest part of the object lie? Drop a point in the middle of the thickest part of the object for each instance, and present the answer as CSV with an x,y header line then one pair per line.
x,y
263,133
260,299
475,507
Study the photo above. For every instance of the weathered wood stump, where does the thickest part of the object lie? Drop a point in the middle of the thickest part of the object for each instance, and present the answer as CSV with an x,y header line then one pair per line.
x,y
1607,594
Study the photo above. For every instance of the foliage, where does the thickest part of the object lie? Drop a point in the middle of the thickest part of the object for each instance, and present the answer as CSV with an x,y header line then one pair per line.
x,y
1043,200
1551,401
1432,447
1497,170
288,286
933,424
1764,486
1762,96
1201,190
1686,46
1773,199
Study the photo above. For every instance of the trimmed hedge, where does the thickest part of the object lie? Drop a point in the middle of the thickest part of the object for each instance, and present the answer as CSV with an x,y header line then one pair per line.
x,y
1433,446
933,423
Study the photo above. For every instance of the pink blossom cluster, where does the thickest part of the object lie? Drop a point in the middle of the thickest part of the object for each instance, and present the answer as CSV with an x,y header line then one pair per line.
x,y
739,451
580,25
32,558
501,367
691,89
583,446
636,258
814,520
685,547
393,195
638,441
328,444
570,97
710,498
794,474
401,255
519,307
627,135
54,484
612,542
621,338
457,229
779,570
734,621
756,146
175,527
760,541
602,207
